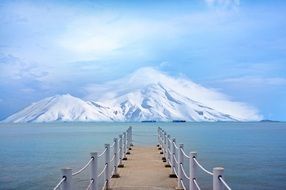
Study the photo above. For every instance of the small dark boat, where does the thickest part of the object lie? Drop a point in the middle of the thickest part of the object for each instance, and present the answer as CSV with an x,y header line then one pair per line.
x,y
148,121
179,121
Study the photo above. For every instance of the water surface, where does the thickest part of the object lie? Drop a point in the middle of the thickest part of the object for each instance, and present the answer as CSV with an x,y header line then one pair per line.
x,y
253,154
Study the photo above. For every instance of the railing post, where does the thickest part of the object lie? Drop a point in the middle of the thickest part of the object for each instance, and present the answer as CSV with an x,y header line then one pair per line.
x,y
124,146
128,140
131,140
168,147
162,142
94,170
168,152
159,139
173,154
180,161
217,184
193,170
165,144
164,150
120,152
67,183
115,175
107,160
158,136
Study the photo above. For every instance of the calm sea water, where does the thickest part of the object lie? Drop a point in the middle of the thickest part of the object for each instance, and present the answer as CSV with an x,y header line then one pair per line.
x,y
253,154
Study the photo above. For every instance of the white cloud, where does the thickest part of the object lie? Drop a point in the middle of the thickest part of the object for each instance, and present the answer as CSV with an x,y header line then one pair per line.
x,y
223,3
94,37
256,81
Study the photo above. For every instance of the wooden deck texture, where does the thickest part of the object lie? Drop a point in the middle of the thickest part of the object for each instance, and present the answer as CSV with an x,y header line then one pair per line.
x,y
143,170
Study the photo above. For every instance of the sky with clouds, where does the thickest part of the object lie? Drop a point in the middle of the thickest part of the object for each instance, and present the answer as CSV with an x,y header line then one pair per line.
x,y
234,46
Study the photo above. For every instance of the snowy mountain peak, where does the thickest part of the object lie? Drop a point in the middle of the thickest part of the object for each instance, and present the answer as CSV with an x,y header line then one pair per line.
x,y
59,108
146,94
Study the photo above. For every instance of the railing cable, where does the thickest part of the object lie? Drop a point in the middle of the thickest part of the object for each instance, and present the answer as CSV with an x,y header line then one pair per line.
x,y
111,146
181,165
102,153
175,145
59,184
184,153
224,183
112,158
103,170
104,185
84,167
89,185
184,187
204,169
175,159
196,183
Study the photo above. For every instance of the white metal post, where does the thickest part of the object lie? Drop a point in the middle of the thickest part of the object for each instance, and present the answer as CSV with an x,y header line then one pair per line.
x,y
173,154
165,144
120,151
107,160
131,140
168,149
193,170
94,170
67,183
128,138
115,158
162,139
180,161
217,184
158,136
124,146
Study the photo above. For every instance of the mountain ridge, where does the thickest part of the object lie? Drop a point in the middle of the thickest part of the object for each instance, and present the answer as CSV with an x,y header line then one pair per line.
x,y
69,108
146,94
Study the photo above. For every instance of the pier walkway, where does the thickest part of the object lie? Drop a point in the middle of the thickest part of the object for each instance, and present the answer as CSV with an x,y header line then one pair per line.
x,y
163,167
143,170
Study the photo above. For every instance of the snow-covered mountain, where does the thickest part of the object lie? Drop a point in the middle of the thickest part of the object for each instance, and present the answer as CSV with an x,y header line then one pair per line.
x,y
146,94
60,108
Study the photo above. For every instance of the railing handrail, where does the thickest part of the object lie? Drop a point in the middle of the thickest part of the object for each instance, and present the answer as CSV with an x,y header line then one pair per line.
x,y
119,151
184,187
204,169
175,145
174,154
60,182
102,153
111,146
224,183
102,171
196,183
184,172
89,185
185,153
83,168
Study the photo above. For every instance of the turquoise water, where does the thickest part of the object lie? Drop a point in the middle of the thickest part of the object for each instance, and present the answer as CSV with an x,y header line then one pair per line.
x,y
253,154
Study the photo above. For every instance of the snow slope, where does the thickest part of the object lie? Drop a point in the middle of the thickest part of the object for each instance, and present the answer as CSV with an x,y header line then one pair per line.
x,y
146,94
60,108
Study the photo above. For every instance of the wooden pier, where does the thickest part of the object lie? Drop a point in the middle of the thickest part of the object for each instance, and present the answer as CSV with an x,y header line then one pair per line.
x,y
129,167
143,170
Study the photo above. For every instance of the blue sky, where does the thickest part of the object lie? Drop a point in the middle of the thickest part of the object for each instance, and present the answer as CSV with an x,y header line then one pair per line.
x,y
234,46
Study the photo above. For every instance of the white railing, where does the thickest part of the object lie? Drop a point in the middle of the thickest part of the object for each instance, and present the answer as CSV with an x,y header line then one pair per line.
x,y
174,155
100,180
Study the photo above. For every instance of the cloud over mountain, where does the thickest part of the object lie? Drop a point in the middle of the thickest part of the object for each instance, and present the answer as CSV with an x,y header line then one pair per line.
x,y
144,77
